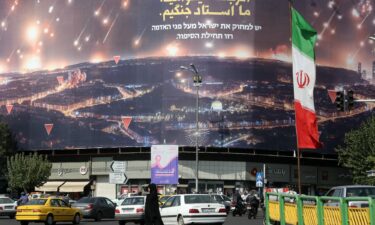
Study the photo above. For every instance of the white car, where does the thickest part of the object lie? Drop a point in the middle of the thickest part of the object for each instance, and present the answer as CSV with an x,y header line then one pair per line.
x,y
132,209
192,208
7,207
121,198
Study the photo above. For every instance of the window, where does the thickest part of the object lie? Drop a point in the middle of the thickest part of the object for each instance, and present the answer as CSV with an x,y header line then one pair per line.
x,y
330,193
37,202
55,203
63,203
176,201
360,192
109,202
193,199
169,202
226,198
102,202
134,201
6,200
337,193
86,200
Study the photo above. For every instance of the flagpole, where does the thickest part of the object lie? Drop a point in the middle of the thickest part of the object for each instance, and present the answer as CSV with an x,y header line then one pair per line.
x,y
295,116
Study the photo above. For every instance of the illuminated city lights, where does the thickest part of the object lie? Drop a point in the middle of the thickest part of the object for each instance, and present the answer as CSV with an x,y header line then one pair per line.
x,y
33,63
221,55
355,13
125,4
208,44
32,33
172,50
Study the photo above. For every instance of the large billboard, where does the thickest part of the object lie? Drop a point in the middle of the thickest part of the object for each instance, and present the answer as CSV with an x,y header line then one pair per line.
x,y
112,73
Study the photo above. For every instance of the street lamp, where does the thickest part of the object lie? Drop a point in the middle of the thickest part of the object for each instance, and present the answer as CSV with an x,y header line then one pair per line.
x,y
197,82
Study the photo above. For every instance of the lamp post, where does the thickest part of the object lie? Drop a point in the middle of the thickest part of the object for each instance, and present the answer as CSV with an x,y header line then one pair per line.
x,y
197,82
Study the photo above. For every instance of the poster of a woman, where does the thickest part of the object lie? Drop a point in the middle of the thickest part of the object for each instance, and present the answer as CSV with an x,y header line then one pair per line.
x,y
164,164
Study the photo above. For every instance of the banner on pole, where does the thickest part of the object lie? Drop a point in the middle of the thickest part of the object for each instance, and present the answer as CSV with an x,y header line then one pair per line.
x,y
164,164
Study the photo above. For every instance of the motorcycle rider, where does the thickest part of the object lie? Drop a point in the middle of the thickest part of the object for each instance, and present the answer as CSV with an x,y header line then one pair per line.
x,y
239,207
254,205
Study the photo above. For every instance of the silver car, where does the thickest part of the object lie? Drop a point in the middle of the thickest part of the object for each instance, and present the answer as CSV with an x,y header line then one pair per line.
x,y
351,191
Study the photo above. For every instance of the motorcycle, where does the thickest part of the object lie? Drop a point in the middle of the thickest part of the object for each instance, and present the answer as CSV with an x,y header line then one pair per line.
x,y
239,209
253,208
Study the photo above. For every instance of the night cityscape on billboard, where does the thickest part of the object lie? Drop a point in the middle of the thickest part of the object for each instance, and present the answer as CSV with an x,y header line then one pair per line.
x,y
84,74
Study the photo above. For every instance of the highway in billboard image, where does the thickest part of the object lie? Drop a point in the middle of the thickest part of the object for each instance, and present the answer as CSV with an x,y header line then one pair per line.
x,y
90,73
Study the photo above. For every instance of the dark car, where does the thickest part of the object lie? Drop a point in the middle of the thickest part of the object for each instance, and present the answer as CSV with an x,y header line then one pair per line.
x,y
96,208
222,199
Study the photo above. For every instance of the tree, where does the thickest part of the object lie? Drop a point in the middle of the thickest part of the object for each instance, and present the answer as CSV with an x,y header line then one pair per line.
x,y
27,171
358,152
8,146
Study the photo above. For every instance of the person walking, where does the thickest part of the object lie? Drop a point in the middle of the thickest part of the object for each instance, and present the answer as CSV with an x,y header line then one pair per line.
x,y
152,213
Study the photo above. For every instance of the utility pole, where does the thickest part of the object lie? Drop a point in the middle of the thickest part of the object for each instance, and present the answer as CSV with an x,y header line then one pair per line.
x,y
197,82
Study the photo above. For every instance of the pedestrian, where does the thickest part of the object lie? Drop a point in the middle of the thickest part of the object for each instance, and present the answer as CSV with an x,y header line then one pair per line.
x,y
23,199
152,213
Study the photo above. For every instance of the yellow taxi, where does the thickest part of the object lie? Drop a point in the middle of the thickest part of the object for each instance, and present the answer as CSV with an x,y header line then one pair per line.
x,y
48,210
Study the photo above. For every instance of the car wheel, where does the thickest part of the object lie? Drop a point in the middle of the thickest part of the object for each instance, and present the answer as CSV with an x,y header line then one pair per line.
x,y
24,222
76,219
121,222
98,216
49,220
181,220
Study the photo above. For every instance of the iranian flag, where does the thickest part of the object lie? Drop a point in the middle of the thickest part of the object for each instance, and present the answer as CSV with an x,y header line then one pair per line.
x,y
303,42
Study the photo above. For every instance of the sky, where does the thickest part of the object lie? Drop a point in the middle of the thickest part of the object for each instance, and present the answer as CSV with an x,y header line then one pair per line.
x,y
50,34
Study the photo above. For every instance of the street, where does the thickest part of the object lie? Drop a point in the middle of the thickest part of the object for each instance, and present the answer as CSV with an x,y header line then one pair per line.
x,y
243,220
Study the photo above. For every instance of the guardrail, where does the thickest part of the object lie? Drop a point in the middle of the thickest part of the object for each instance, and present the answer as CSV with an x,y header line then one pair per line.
x,y
312,210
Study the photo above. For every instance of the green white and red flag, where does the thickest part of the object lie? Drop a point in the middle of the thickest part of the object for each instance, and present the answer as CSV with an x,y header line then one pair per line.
x,y
304,75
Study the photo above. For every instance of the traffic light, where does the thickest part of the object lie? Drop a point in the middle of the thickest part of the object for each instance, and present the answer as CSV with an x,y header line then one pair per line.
x,y
340,101
350,99
197,79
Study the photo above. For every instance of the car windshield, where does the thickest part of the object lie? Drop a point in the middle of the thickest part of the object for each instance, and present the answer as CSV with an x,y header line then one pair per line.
x,y
133,201
226,198
192,199
360,192
86,200
6,200
36,202
164,198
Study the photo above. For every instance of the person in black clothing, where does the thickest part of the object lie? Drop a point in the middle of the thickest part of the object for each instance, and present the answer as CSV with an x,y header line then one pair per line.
x,y
152,213
254,205
239,207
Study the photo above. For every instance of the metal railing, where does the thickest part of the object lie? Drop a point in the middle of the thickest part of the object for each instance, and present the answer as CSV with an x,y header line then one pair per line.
x,y
312,210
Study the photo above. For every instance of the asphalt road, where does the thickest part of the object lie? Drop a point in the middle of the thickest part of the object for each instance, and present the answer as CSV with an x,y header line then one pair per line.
x,y
243,220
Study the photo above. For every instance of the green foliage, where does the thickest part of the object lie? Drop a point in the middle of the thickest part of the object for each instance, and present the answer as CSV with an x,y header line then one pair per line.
x,y
358,152
7,143
8,146
27,171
